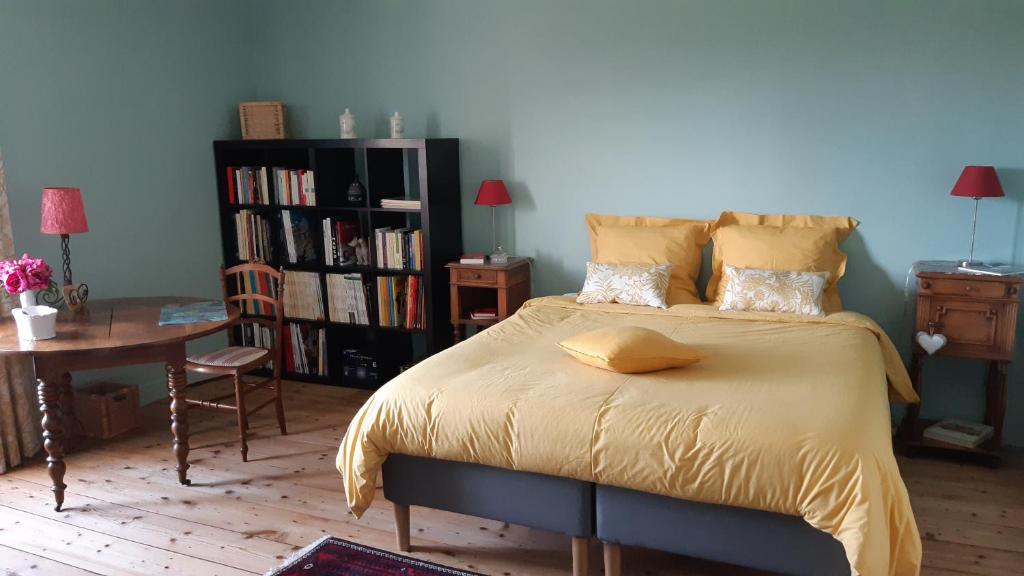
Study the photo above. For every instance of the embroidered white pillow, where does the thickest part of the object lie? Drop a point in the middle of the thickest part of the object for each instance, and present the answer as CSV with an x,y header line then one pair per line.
x,y
773,291
636,284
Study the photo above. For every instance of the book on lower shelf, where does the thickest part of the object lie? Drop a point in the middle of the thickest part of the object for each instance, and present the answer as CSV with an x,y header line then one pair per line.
x,y
248,185
252,236
305,349
302,295
294,187
300,245
346,296
400,302
338,234
959,433
399,249
402,203
484,314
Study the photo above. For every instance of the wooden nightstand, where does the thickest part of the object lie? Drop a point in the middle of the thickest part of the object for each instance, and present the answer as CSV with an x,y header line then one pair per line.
x,y
978,316
503,287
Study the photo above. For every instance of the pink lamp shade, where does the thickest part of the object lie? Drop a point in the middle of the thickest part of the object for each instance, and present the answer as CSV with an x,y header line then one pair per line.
x,y
492,193
978,182
63,212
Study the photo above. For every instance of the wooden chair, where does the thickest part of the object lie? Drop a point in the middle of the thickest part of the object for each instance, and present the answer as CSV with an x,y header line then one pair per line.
x,y
260,288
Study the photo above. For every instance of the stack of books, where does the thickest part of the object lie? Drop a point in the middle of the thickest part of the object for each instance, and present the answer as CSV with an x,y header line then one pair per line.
x,y
257,335
346,296
337,235
399,249
253,283
248,185
305,349
400,302
400,202
484,314
252,233
294,187
298,237
302,297
959,433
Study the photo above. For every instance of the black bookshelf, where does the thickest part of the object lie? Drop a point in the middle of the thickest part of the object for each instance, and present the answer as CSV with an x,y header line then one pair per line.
x,y
409,167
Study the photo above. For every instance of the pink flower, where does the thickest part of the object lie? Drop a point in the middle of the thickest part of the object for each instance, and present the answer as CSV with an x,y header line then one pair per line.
x,y
15,281
38,273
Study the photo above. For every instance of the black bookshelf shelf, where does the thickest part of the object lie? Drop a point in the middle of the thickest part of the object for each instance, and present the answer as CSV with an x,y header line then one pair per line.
x,y
427,169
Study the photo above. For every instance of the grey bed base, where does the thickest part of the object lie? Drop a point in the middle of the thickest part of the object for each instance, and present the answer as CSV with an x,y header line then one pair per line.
x,y
617,516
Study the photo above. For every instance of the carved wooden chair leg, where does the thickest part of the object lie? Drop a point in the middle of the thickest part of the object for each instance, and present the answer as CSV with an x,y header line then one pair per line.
x,y
580,556
401,527
612,559
243,417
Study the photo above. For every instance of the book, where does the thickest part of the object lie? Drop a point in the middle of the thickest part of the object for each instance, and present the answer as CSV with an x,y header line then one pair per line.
x,y
484,314
298,235
959,433
248,185
473,258
401,202
346,296
194,313
305,351
252,237
993,270
302,295
400,302
399,249
294,187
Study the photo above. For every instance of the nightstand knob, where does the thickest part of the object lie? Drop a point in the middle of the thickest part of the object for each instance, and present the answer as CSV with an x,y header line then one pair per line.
x,y
476,275
1012,290
969,288
926,284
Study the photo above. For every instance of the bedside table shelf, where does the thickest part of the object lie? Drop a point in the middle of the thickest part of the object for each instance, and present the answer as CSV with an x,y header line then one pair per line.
x,y
977,314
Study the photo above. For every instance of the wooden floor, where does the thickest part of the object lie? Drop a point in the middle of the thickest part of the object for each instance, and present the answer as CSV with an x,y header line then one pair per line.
x,y
126,514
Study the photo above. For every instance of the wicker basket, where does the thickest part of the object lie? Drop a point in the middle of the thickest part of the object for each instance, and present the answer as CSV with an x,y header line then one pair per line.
x,y
107,409
262,120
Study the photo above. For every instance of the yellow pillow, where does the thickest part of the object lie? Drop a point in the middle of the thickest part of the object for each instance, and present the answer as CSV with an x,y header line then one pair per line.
x,y
630,350
790,248
648,240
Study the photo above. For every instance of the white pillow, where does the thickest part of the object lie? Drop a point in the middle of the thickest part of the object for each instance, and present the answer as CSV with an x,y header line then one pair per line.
x,y
636,284
773,291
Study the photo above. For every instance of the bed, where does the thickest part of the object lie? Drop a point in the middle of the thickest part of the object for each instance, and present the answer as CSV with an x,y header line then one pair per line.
x,y
788,416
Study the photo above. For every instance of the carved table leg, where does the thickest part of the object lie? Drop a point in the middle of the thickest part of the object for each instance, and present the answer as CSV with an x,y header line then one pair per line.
x,y
177,381
53,432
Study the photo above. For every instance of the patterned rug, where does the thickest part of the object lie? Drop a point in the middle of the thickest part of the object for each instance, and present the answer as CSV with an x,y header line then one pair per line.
x,y
331,556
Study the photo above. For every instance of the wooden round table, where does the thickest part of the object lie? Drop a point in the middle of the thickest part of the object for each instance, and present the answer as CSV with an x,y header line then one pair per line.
x,y
109,333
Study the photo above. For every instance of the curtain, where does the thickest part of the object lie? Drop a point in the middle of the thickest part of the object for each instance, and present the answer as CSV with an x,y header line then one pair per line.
x,y
19,414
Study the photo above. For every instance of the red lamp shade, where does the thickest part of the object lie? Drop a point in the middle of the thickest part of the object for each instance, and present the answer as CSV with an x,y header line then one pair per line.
x,y
492,193
63,212
978,182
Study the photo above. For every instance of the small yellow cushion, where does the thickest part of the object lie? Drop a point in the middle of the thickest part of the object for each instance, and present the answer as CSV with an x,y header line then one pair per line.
x,y
630,350
649,240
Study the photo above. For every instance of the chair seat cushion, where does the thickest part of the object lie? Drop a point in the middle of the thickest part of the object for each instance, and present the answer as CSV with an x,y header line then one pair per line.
x,y
230,356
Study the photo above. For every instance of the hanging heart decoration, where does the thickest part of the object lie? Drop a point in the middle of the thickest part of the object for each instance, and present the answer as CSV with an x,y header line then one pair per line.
x,y
931,343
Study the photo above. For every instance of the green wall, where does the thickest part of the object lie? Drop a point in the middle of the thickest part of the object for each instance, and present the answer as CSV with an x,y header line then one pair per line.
x,y
122,98
688,108
684,108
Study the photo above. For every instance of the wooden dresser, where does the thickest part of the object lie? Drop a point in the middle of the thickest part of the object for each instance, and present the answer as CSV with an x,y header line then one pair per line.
x,y
977,314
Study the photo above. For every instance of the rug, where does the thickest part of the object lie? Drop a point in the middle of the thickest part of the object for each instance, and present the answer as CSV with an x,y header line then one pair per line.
x,y
331,556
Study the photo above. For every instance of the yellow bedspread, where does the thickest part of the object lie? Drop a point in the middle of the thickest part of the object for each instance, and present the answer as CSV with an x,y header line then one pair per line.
x,y
787,414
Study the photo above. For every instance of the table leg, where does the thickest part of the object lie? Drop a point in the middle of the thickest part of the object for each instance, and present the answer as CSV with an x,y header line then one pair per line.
x,y
177,381
50,393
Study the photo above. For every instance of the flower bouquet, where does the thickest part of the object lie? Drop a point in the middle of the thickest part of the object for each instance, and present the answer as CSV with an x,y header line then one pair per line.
x,y
24,277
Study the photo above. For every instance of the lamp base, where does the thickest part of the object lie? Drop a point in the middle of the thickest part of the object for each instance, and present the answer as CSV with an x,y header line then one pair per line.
x,y
968,263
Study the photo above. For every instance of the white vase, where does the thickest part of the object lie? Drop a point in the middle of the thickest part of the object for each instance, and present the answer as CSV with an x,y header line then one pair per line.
x,y
36,322
28,298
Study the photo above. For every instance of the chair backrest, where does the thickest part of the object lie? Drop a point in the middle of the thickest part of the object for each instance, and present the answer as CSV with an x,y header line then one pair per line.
x,y
258,291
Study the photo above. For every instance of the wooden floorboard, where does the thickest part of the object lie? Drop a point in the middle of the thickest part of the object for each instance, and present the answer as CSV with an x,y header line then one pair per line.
x,y
125,513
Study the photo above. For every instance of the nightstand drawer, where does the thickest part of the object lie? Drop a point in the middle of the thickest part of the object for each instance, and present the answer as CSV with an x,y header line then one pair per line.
x,y
971,288
471,276
972,328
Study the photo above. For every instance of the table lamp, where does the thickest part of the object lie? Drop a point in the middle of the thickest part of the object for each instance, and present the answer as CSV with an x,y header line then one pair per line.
x,y
63,213
976,182
493,193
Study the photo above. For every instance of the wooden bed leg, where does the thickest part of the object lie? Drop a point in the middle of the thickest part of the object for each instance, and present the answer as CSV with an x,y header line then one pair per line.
x,y
402,527
612,559
580,556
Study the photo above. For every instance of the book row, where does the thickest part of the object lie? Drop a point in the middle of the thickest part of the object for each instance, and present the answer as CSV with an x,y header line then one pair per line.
x,y
399,249
252,234
400,302
250,185
305,349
